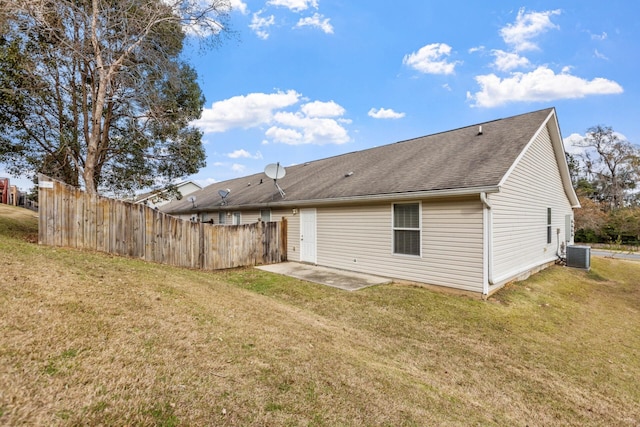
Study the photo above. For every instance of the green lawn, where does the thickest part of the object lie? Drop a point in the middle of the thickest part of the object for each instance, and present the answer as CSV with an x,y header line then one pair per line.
x,y
90,339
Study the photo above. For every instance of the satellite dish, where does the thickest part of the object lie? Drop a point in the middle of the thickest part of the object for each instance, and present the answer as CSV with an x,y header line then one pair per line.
x,y
224,194
275,171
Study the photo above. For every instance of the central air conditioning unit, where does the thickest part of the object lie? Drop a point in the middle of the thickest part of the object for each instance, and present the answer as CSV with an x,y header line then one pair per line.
x,y
579,257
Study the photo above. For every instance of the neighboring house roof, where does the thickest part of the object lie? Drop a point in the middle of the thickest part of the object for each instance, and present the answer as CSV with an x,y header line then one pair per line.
x,y
141,198
460,161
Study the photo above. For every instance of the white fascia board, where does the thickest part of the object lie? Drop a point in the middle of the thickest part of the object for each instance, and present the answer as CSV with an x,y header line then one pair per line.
x,y
558,149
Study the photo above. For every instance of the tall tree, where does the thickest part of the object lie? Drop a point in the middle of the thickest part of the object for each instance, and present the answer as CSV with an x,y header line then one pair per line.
x,y
611,163
94,91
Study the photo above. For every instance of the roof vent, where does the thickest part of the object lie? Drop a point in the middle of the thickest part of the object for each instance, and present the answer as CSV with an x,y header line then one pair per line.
x,y
480,130
348,174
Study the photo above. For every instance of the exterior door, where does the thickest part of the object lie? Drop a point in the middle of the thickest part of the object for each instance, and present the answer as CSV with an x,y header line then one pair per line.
x,y
308,235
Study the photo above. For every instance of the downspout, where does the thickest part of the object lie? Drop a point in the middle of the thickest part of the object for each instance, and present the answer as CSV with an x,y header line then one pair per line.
x,y
488,234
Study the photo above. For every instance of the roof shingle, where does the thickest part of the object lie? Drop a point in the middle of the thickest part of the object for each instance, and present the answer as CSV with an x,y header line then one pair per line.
x,y
456,159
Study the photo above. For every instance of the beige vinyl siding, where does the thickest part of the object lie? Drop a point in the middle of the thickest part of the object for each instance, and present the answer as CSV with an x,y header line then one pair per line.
x,y
184,217
249,217
520,212
293,231
360,238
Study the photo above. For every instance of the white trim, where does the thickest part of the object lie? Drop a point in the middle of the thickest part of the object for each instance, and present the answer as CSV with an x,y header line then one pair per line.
x,y
238,215
558,151
563,167
458,192
393,229
487,244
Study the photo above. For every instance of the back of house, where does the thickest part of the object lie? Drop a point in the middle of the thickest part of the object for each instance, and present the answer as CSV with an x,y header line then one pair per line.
x,y
471,208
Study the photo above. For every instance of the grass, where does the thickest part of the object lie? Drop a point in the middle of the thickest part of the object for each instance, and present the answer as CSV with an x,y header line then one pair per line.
x,y
91,339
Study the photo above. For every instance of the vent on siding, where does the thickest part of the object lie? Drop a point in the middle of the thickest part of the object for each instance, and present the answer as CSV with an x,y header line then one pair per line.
x,y
579,257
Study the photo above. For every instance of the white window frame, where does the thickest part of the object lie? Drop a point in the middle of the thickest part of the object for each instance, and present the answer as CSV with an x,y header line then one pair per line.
x,y
236,218
265,213
222,217
418,230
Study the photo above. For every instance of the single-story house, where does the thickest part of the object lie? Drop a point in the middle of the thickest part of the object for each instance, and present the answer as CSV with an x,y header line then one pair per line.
x,y
155,199
472,208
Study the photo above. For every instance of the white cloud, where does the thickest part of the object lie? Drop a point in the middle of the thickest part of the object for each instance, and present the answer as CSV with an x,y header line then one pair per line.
x,y
243,111
236,167
260,25
571,144
476,49
322,109
542,84
597,54
297,128
507,61
528,26
446,87
384,113
285,136
431,59
574,144
240,6
316,122
316,21
242,153
602,36
294,5
198,20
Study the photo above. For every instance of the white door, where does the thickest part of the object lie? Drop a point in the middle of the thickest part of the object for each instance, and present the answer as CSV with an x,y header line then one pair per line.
x,y
308,235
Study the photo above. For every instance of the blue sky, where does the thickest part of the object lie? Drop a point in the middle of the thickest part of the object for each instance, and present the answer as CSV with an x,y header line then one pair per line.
x,y
308,79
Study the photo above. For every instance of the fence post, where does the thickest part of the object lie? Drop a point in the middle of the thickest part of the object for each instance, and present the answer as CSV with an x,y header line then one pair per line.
x,y
283,240
200,244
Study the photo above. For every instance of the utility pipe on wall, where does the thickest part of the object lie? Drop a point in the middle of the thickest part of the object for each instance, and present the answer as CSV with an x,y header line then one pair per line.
x,y
488,233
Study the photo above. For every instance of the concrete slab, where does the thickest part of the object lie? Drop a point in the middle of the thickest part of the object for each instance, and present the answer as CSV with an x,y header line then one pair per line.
x,y
346,280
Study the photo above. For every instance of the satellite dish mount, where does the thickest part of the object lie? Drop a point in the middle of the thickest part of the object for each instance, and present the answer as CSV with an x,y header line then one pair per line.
x,y
223,194
275,172
192,199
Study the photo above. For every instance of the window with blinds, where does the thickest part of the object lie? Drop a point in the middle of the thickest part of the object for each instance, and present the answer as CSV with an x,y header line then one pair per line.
x,y
406,229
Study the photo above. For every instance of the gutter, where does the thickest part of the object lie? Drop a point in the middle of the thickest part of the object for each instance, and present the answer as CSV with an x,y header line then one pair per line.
x,y
488,239
413,195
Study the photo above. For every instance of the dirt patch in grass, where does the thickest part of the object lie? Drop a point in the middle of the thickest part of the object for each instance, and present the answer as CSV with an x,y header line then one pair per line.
x,y
93,339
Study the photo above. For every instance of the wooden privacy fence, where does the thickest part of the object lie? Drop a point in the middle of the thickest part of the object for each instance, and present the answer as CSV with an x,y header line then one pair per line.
x,y
70,217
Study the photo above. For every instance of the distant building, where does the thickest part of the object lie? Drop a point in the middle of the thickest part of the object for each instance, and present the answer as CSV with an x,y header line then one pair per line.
x,y
11,195
4,191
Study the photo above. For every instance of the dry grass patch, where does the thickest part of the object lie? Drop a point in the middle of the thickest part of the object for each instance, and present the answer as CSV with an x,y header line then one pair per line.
x,y
93,339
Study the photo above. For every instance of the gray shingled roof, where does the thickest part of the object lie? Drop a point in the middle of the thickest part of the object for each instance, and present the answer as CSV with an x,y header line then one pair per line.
x,y
457,159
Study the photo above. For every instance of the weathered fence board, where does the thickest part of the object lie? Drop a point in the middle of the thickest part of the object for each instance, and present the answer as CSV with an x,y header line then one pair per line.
x,y
69,217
